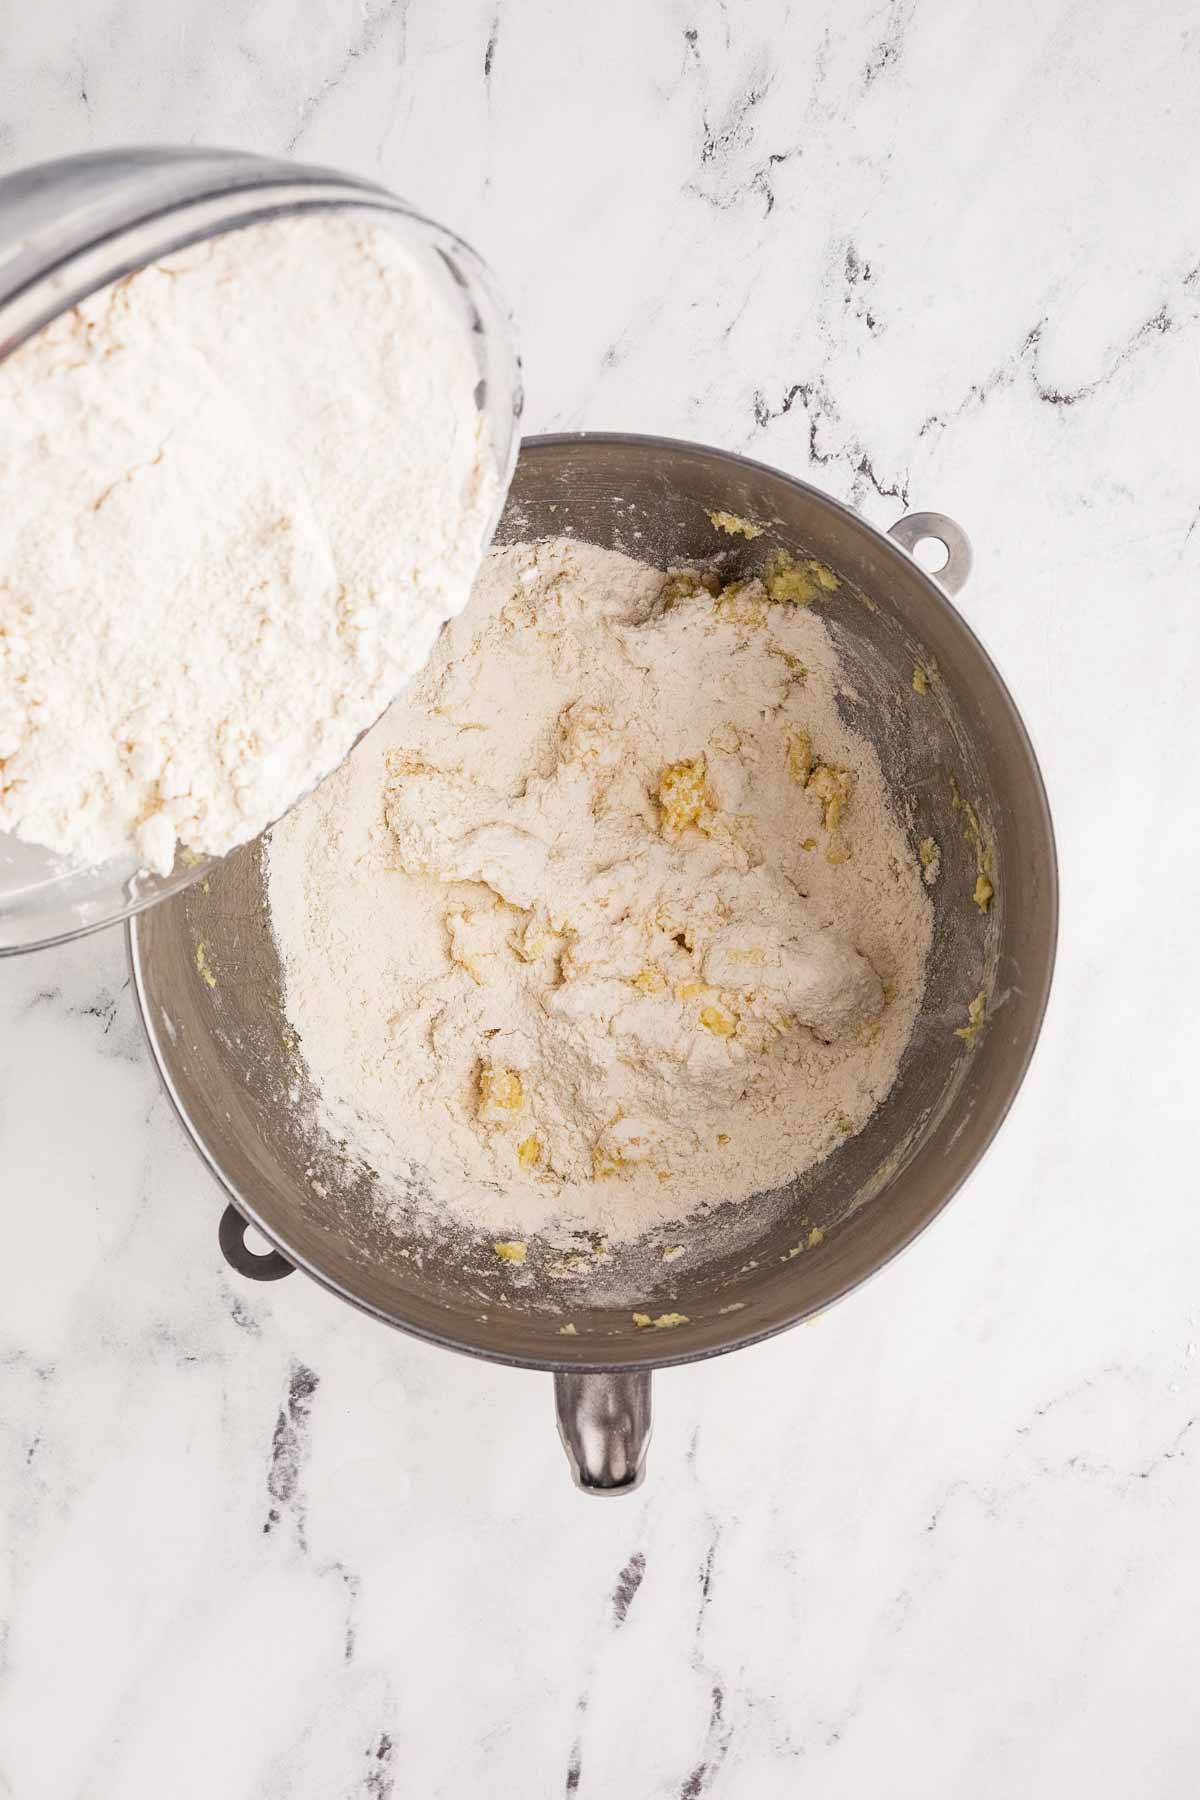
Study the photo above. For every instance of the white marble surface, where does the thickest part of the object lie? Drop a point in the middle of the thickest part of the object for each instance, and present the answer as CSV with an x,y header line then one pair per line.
x,y
945,1541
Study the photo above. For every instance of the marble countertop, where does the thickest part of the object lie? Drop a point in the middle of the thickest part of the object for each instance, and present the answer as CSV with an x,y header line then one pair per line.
x,y
943,1542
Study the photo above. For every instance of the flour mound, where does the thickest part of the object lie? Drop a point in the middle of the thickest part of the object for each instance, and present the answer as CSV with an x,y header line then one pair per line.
x,y
240,491
578,930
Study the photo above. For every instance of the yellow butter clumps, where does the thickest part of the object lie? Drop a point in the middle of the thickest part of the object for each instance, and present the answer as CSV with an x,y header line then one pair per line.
x,y
683,795
733,526
800,757
798,583
681,584
833,787
501,1094
976,1012
973,831
528,1152
650,980
720,1023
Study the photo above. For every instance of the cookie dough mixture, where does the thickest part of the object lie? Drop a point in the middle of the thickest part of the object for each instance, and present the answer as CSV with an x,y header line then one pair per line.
x,y
609,920
240,490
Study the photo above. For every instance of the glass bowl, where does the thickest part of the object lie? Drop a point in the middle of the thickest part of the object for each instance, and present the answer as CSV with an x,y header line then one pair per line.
x,y
74,225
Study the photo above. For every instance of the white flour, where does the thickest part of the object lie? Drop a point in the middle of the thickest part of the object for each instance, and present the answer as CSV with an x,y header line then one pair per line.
x,y
239,492
578,929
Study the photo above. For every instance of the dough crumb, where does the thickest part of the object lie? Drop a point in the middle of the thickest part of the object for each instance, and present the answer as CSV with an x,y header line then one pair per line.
x,y
973,832
202,969
976,1012
501,1094
798,583
682,795
733,526
800,757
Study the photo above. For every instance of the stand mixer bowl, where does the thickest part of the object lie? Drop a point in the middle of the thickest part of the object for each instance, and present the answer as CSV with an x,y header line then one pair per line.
x,y
223,1051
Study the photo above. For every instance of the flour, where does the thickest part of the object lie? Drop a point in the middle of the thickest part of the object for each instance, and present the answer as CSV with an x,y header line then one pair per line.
x,y
240,490
608,920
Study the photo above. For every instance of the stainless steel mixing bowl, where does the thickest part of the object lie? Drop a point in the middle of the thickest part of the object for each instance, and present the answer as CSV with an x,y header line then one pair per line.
x,y
226,1056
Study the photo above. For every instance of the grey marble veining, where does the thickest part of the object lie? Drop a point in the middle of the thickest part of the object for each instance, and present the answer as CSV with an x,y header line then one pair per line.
x,y
943,1541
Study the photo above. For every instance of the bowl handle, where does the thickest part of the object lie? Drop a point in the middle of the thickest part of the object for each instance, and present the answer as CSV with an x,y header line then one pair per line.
x,y
265,1265
604,1423
914,527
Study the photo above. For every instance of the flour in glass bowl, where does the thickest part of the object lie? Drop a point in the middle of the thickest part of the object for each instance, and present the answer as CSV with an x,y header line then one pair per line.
x,y
609,920
240,491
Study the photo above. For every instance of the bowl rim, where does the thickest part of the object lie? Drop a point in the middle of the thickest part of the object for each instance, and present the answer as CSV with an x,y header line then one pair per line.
x,y
647,1359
